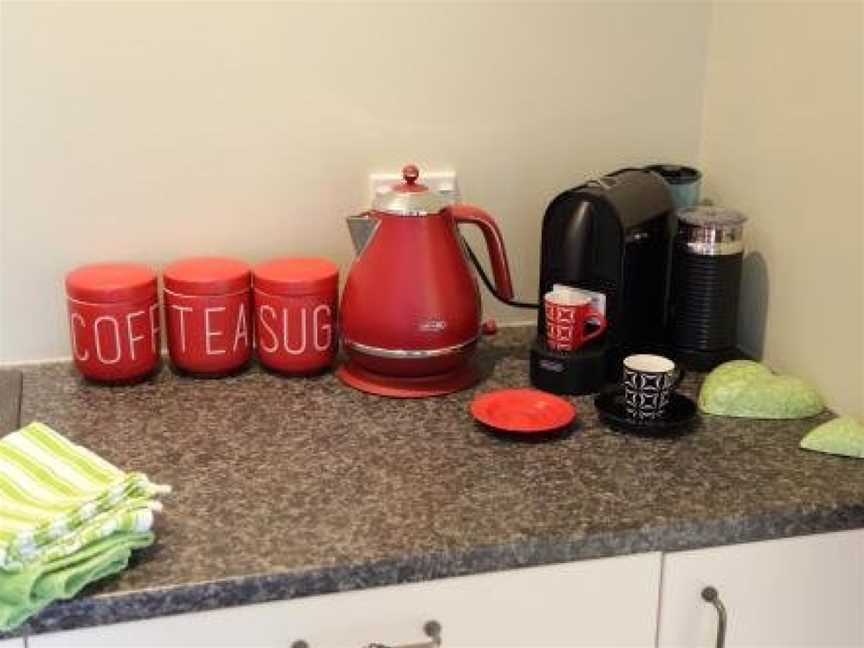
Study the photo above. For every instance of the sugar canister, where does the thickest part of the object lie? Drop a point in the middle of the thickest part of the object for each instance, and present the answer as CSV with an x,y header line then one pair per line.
x,y
113,313
208,315
295,314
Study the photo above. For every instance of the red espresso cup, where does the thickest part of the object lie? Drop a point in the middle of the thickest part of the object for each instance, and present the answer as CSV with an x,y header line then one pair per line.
x,y
208,315
568,314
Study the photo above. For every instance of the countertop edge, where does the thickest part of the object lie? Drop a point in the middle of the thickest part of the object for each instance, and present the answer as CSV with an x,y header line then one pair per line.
x,y
90,611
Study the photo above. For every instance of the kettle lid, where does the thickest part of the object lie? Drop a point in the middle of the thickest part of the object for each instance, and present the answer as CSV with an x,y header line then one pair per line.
x,y
409,197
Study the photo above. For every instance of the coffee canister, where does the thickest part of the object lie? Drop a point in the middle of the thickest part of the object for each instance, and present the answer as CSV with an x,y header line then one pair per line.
x,y
295,314
113,313
706,280
208,315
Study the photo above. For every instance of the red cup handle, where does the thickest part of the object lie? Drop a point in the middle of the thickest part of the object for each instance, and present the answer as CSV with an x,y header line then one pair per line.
x,y
597,316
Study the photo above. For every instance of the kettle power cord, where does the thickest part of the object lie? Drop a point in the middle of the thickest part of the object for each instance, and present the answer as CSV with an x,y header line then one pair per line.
x,y
489,286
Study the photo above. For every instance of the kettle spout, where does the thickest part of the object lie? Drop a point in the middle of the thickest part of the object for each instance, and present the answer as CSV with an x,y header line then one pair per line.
x,y
362,229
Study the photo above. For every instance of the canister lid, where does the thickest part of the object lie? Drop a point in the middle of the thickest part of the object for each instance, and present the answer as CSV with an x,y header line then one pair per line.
x,y
710,217
296,276
109,283
409,197
207,276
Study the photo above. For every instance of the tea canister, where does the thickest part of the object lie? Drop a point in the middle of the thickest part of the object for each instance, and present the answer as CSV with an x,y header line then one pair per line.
x,y
113,313
208,315
295,314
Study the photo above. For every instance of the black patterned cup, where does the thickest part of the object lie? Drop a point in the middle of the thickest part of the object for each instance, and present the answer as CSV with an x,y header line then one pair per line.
x,y
649,382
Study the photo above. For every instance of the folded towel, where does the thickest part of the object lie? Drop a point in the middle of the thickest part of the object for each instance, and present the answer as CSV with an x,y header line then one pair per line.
x,y
840,436
26,592
56,497
750,390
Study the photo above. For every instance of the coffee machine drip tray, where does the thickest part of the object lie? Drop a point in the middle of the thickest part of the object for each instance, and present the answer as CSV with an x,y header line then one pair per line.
x,y
570,372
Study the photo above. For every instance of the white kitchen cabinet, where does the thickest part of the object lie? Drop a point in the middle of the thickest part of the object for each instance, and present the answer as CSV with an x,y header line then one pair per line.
x,y
607,602
806,591
11,643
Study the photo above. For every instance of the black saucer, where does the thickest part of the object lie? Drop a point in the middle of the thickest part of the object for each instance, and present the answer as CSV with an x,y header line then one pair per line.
x,y
680,413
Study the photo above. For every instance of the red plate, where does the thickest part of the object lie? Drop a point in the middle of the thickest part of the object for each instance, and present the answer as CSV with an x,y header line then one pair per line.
x,y
523,411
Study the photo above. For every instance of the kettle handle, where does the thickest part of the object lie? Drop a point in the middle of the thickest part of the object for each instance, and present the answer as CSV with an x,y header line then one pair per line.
x,y
463,213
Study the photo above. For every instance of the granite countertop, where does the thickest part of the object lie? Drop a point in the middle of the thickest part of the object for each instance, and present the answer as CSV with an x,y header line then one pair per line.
x,y
287,487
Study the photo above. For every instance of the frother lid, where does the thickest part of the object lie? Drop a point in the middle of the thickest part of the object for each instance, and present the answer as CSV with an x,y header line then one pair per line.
x,y
710,217
711,231
409,197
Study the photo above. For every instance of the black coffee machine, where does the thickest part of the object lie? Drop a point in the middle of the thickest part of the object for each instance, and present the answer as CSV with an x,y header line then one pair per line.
x,y
612,235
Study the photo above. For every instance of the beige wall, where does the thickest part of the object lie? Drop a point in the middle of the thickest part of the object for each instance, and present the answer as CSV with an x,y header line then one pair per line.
x,y
149,131
782,141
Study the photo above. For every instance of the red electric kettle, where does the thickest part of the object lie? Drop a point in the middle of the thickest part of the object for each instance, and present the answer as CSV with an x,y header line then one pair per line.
x,y
410,313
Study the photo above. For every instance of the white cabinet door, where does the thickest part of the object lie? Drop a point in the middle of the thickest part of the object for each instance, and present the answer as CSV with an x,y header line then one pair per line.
x,y
806,591
609,602
11,643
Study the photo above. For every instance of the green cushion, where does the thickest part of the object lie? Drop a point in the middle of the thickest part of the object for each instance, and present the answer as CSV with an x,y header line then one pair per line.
x,y
840,436
750,390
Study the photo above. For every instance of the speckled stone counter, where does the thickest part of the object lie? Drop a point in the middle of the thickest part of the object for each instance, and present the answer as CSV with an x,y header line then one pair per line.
x,y
292,487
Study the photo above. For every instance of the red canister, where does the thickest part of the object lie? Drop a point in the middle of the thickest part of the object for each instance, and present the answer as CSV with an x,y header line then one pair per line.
x,y
295,313
208,315
113,321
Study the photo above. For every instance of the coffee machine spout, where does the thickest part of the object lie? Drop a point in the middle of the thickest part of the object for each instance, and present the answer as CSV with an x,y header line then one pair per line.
x,y
362,228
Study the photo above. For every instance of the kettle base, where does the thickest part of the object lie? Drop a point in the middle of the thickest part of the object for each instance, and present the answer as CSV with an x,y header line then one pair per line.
x,y
370,382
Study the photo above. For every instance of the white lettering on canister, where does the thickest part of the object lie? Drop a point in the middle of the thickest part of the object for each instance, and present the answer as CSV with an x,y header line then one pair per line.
x,y
302,348
154,327
318,327
73,319
209,333
133,338
267,328
182,310
117,348
242,329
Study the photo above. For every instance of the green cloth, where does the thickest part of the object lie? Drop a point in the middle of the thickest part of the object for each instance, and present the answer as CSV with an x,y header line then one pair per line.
x,y
748,389
56,497
67,518
26,592
839,436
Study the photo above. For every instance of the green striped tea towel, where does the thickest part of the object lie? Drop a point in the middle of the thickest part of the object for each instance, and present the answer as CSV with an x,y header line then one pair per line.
x,y
24,593
56,497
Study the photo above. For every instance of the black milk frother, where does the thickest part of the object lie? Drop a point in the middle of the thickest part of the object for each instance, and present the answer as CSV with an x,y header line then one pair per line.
x,y
706,277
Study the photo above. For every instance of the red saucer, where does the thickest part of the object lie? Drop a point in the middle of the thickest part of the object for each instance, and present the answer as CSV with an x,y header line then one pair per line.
x,y
367,381
523,411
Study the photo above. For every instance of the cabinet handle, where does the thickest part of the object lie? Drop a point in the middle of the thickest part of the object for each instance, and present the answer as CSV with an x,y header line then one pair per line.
x,y
431,629
710,595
